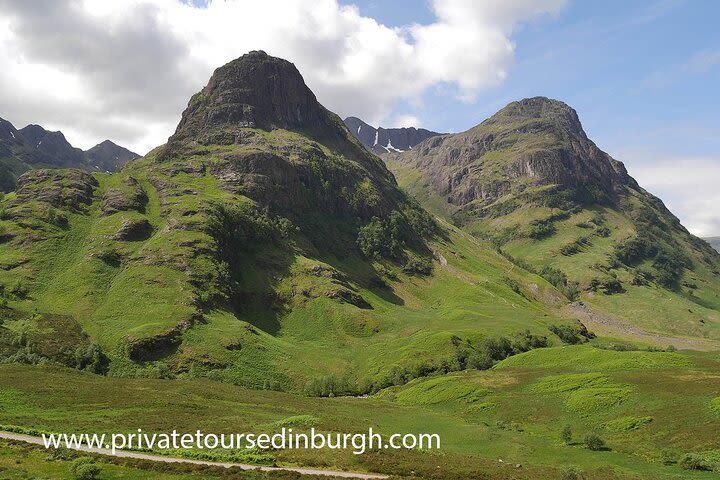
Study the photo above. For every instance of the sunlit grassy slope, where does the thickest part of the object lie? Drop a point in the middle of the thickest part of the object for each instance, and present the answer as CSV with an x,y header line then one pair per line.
x,y
583,244
300,308
651,408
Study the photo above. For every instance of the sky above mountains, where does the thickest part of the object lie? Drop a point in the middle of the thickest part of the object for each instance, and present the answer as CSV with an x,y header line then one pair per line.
x,y
643,76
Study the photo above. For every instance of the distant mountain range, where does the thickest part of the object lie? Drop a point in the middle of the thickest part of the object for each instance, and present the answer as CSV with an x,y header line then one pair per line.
x,y
714,242
387,140
34,147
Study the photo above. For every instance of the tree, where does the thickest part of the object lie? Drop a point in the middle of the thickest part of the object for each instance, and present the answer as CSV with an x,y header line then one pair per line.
x,y
566,434
594,442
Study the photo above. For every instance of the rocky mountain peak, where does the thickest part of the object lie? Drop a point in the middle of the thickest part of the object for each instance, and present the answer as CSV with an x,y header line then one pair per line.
x,y
256,91
540,113
109,156
535,141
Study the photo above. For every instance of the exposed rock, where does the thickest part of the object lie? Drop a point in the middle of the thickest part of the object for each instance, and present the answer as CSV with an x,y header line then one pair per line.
x,y
536,141
117,199
348,296
133,230
59,188
387,140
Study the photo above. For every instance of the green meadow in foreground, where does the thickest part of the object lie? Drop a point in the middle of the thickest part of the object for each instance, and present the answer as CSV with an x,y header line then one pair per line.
x,y
262,269
657,413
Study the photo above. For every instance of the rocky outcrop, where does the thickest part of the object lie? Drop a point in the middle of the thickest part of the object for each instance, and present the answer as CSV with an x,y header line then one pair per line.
x,y
133,230
535,141
131,197
322,168
60,188
387,140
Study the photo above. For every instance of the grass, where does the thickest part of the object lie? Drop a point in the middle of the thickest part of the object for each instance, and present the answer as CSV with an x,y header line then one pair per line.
x,y
588,357
514,413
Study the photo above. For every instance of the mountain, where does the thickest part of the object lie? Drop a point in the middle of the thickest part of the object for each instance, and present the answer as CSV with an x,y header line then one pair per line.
x,y
108,156
385,140
34,147
262,245
529,180
265,248
714,242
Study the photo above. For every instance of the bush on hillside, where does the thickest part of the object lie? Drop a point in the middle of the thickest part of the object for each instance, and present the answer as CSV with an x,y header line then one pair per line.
x,y
85,468
572,334
594,442
386,238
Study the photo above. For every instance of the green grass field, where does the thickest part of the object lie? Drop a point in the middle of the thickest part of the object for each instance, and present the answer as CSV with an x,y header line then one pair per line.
x,y
651,408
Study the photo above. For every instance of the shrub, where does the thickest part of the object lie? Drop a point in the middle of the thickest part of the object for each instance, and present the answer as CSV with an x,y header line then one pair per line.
x,y
692,461
19,290
59,453
540,229
418,266
611,286
594,442
513,284
386,238
572,334
566,434
575,247
603,231
85,468
572,473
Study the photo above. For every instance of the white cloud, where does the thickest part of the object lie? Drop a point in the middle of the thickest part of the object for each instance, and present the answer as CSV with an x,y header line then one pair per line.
x,y
687,185
405,121
125,69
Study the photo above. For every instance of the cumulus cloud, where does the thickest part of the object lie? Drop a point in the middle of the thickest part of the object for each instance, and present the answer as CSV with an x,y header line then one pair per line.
x,y
125,69
405,120
687,185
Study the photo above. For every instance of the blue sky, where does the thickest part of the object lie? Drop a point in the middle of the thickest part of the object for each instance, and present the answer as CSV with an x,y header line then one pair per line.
x,y
643,76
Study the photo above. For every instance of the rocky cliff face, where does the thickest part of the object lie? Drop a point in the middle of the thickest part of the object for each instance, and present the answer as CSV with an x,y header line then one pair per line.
x,y
264,135
387,140
532,142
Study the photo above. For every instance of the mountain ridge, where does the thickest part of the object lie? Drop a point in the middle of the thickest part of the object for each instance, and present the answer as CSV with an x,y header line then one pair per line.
x,y
529,180
35,147
386,140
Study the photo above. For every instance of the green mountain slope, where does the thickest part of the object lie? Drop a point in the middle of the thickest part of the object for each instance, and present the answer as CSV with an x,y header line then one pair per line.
x,y
262,246
529,180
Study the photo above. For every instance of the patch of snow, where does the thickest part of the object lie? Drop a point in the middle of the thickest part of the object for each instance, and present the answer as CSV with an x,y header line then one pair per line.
x,y
13,135
376,138
36,146
390,147
359,127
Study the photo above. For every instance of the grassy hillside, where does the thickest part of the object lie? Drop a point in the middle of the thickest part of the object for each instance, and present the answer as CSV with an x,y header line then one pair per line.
x,y
529,181
263,269
654,411
130,294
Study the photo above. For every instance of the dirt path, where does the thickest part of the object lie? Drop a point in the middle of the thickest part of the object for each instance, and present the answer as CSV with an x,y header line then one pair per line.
x,y
159,458
606,324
